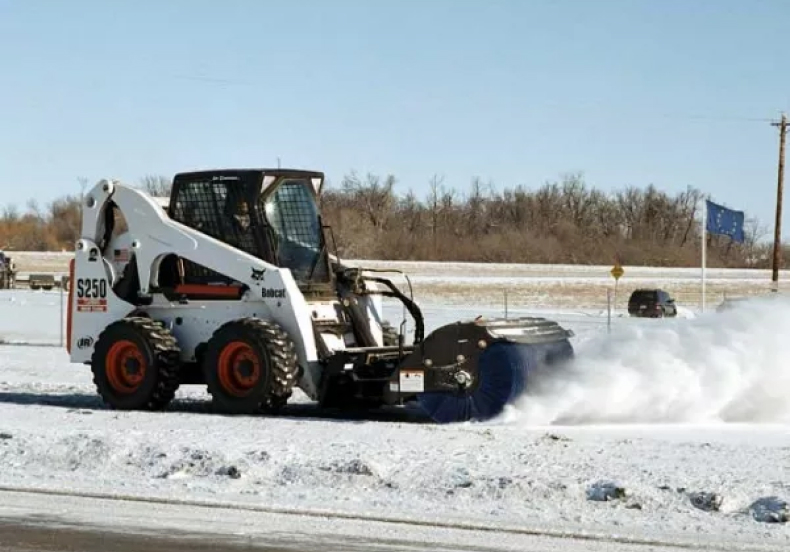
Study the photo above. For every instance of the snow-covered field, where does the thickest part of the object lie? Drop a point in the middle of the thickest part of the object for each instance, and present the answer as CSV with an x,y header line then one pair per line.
x,y
57,261
489,285
663,410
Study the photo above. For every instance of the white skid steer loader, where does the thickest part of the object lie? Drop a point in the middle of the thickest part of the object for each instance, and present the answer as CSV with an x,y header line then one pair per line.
x,y
232,286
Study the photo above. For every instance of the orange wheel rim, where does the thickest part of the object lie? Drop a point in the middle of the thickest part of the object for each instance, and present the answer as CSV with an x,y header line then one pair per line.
x,y
125,367
239,368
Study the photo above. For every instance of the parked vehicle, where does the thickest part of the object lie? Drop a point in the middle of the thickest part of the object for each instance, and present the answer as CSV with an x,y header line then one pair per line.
x,y
651,303
7,272
41,281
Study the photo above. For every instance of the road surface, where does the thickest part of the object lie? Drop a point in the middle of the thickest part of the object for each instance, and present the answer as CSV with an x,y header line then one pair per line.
x,y
60,523
42,537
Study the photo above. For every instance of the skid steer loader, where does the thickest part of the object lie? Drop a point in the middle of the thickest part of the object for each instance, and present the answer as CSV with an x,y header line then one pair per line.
x,y
233,286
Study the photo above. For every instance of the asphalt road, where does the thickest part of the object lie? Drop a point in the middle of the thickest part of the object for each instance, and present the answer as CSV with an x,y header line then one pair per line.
x,y
44,522
44,536
41,536
47,536
25,537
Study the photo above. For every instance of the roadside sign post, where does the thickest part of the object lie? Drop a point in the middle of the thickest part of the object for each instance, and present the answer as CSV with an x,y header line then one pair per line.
x,y
62,320
609,310
617,273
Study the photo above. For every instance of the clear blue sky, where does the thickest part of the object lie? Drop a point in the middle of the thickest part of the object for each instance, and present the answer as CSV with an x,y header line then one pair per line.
x,y
629,92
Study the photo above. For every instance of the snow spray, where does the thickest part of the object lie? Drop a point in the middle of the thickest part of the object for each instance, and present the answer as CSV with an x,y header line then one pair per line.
x,y
730,366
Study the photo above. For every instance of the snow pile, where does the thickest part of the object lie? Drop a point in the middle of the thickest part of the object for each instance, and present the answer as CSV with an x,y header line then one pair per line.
x,y
676,482
684,312
731,366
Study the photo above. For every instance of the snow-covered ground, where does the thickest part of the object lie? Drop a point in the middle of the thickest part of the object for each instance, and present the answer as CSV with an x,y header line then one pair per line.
x,y
39,316
666,410
527,285
57,261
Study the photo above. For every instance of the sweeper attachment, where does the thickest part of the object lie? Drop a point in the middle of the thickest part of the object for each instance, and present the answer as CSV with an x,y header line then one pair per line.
x,y
233,287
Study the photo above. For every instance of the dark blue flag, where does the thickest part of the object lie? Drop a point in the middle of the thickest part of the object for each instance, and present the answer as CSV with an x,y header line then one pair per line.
x,y
724,221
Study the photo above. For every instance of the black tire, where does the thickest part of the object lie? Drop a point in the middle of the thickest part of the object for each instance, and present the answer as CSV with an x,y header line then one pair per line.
x,y
390,334
250,366
122,349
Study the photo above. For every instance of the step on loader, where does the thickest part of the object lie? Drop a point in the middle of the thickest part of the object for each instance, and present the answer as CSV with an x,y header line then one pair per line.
x,y
232,285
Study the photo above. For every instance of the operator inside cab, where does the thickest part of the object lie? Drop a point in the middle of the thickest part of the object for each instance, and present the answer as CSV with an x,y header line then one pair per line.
x,y
242,216
242,228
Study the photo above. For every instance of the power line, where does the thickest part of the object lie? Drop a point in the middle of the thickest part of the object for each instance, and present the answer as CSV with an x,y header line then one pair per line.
x,y
725,119
213,80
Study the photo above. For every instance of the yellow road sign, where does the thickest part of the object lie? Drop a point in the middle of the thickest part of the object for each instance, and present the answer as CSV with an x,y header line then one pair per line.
x,y
617,271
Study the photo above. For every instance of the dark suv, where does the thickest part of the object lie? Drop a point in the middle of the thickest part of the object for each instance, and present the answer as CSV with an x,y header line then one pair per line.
x,y
651,303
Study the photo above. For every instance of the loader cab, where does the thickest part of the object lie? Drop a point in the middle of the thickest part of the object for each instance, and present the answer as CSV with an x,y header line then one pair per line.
x,y
271,214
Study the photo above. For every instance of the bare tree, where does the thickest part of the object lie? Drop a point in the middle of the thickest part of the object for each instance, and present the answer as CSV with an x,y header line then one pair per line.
x,y
435,186
65,216
375,197
156,185
557,222
10,214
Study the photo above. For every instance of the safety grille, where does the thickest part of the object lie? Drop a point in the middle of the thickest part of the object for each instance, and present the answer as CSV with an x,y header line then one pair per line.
x,y
293,216
199,205
214,209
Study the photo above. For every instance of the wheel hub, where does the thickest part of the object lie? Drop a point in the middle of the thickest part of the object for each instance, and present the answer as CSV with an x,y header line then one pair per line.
x,y
132,367
239,368
125,366
464,379
245,368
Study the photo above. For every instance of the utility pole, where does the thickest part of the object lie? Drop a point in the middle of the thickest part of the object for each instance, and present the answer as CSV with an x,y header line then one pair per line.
x,y
779,190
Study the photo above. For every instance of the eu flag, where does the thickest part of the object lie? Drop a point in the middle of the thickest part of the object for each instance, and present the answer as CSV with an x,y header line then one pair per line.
x,y
724,221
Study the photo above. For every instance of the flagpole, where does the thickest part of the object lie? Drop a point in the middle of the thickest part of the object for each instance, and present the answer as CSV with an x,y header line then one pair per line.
x,y
704,247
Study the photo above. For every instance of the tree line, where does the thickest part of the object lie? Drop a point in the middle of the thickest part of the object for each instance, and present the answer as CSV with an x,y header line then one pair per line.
x,y
565,221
